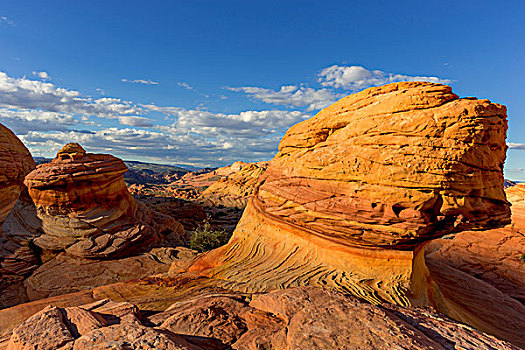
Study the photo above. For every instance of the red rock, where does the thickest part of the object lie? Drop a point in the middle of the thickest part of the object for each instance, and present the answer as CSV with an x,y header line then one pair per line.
x,y
15,163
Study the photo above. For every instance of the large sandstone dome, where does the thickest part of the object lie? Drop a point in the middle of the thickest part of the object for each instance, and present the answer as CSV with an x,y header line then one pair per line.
x,y
391,167
356,193
15,163
86,210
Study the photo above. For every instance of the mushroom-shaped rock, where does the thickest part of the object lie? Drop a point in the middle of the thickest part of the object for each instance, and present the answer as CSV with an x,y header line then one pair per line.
x,y
86,209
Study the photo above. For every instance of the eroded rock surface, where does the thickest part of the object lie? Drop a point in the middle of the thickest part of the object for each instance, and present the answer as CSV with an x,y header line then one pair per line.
x,y
65,274
86,209
302,318
235,189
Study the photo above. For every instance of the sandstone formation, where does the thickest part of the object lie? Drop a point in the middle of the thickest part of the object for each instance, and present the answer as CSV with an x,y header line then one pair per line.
x,y
16,257
19,257
64,274
15,163
304,318
355,191
86,209
394,194
235,189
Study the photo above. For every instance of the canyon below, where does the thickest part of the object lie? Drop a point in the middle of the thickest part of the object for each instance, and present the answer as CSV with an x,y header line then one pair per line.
x,y
383,222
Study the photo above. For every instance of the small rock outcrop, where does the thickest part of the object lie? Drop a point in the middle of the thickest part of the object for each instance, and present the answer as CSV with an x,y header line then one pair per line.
x,y
86,209
302,318
235,189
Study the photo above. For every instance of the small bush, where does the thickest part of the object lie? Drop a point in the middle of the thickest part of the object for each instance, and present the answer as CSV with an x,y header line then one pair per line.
x,y
204,238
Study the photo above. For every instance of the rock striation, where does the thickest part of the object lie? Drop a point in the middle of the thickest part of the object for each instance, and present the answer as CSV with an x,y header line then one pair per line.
x,y
302,318
86,209
355,192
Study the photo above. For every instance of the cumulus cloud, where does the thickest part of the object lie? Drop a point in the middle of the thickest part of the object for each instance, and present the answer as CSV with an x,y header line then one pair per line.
x,y
357,77
186,86
135,121
24,93
251,124
140,81
42,75
513,145
159,146
291,95
24,121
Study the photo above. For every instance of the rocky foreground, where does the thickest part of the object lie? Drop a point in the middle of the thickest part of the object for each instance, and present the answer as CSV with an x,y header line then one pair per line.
x,y
378,217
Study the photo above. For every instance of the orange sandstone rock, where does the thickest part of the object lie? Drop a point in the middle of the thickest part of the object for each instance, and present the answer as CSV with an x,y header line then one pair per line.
x,y
15,163
355,191
86,209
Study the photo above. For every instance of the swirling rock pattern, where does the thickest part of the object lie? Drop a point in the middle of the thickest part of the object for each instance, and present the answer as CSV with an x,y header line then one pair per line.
x,y
86,209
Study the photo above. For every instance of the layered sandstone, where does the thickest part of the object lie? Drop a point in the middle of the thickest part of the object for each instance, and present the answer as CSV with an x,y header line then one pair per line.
x,y
235,189
304,318
15,163
16,257
86,209
355,191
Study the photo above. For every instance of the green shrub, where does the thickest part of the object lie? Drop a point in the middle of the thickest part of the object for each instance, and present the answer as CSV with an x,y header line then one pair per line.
x,y
205,238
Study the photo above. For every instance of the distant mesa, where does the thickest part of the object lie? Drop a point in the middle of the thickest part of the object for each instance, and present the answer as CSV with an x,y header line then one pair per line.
x,y
86,209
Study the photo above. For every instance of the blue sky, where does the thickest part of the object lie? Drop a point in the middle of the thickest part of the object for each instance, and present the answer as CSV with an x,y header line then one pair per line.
x,y
210,82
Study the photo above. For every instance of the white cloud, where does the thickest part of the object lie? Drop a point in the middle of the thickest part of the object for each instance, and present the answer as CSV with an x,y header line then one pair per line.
x,y
513,145
5,20
42,75
357,77
24,93
140,81
292,95
136,121
154,146
252,123
24,121
186,86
